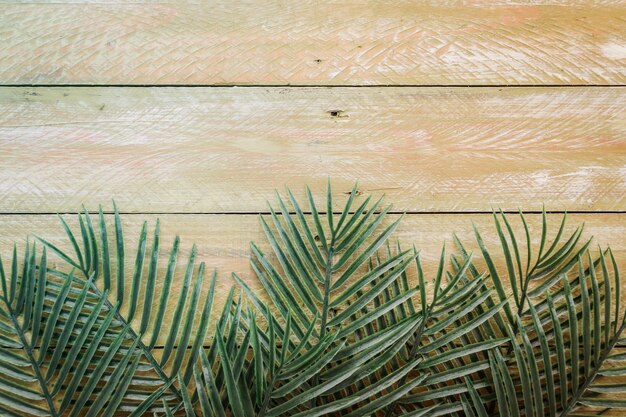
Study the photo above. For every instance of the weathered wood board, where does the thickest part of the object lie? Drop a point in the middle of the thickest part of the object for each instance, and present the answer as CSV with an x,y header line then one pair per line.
x,y
214,150
313,43
223,240
448,107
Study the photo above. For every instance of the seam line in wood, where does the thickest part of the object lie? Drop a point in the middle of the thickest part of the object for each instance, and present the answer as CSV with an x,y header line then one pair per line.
x,y
256,213
314,85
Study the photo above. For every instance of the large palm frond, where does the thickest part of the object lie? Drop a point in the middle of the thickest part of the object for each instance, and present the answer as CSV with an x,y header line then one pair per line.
x,y
61,351
355,310
345,332
140,306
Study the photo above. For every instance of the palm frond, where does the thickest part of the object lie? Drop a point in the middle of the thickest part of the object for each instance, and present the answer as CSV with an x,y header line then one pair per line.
x,y
576,327
566,327
137,304
349,324
61,351
351,335
352,306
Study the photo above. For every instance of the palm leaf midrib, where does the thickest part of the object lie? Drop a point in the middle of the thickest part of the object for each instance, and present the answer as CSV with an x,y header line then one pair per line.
x,y
590,378
327,286
136,337
132,333
33,361
328,249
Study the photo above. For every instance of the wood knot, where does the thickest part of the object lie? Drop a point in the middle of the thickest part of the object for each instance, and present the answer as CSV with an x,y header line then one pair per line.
x,y
338,114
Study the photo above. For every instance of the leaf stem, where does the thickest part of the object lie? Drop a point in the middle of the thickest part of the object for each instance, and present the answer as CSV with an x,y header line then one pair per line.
x,y
417,337
148,354
327,286
594,372
268,394
520,308
34,363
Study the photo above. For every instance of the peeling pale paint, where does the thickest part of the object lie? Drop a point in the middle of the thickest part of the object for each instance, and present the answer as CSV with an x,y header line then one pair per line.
x,y
613,50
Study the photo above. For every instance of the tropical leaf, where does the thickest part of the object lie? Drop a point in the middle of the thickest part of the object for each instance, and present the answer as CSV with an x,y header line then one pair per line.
x,y
61,351
353,307
565,332
138,306
346,333
568,343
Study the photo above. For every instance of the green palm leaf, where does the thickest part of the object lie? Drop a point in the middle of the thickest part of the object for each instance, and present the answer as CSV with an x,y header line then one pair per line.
x,y
49,324
350,334
575,345
139,307
322,277
565,329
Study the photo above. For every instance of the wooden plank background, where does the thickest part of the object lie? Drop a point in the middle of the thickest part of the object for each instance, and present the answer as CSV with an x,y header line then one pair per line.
x,y
195,112
313,42
215,150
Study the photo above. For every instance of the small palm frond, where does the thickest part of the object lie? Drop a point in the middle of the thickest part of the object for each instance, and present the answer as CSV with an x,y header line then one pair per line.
x,y
139,306
530,274
61,351
456,339
566,341
565,330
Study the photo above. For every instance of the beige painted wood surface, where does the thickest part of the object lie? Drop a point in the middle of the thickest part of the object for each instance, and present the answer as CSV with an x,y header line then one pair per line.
x,y
223,240
198,150
352,90
313,42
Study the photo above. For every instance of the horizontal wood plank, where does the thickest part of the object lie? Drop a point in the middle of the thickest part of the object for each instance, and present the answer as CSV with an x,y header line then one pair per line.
x,y
313,43
223,240
214,150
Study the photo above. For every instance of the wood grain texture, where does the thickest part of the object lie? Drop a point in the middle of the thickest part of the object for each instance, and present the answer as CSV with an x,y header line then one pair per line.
x,y
213,150
313,43
223,240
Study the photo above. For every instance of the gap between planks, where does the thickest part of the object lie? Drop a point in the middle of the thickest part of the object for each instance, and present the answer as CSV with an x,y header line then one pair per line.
x,y
263,213
313,86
